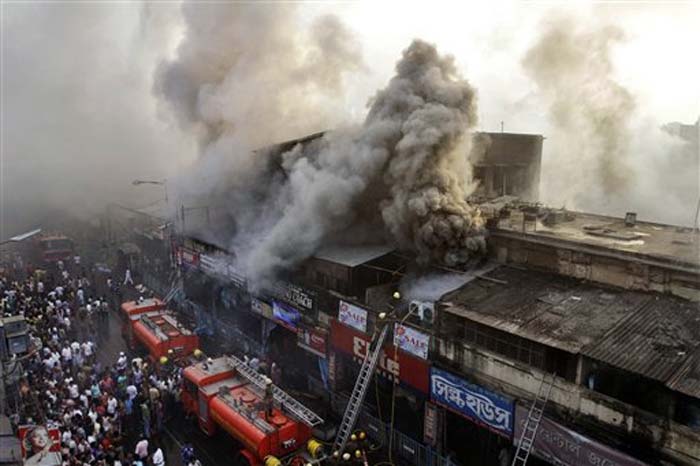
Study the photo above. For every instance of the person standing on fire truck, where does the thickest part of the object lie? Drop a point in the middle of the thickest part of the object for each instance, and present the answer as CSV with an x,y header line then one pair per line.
x,y
127,278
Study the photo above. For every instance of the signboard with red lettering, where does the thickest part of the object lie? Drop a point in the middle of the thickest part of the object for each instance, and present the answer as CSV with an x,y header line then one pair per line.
x,y
189,257
351,315
313,341
558,445
411,340
394,365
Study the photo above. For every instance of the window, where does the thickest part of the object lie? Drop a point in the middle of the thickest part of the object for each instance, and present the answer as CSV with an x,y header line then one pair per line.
x,y
511,346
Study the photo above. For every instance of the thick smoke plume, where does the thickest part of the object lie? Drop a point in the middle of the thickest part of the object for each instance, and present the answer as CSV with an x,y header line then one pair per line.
x,y
428,110
246,75
590,112
404,166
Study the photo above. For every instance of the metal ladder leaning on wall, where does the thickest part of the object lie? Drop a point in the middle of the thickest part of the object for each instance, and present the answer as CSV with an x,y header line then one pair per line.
x,y
534,416
352,410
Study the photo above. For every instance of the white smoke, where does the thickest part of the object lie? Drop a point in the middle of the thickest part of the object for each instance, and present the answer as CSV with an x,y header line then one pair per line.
x,y
79,123
604,154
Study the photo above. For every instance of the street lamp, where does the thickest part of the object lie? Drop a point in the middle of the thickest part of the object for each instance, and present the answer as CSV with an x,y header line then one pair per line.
x,y
162,183
22,237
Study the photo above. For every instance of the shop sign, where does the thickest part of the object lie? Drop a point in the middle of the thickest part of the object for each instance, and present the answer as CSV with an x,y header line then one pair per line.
x,y
558,445
261,307
393,365
40,445
430,424
222,266
313,340
189,257
351,315
324,319
489,409
294,294
332,369
411,340
285,315
297,295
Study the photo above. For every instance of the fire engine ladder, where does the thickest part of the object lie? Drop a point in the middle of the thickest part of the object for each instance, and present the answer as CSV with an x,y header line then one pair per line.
x,y
352,410
534,416
288,403
175,287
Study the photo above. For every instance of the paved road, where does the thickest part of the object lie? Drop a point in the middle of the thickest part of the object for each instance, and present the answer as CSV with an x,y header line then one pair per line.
x,y
216,451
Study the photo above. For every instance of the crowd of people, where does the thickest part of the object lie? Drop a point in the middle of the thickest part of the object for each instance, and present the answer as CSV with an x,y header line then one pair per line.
x,y
102,412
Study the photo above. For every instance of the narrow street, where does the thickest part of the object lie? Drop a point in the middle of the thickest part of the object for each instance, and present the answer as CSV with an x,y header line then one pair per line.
x,y
218,450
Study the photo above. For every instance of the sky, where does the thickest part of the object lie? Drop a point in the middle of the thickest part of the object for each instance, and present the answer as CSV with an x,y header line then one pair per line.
x,y
81,120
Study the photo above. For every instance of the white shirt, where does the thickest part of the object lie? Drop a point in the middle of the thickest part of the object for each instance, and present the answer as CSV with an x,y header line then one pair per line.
x,y
158,458
73,391
112,405
66,353
141,449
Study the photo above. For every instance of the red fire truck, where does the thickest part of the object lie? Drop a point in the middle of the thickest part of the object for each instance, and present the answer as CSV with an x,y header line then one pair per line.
x,y
274,428
161,332
132,311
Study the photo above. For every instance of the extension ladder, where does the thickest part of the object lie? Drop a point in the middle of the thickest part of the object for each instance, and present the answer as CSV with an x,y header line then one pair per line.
x,y
285,401
534,416
352,410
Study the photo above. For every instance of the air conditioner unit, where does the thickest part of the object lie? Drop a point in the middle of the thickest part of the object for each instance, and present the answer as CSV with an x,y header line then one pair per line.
x,y
424,310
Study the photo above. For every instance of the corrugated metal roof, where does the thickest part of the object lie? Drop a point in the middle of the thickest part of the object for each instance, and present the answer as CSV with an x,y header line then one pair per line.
x,y
687,377
654,342
352,256
550,309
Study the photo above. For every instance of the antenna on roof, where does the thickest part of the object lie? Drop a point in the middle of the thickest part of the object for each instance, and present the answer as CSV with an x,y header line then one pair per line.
x,y
501,126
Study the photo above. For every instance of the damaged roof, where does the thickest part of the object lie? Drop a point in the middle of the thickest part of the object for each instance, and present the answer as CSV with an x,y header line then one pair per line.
x,y
657,336
550,309
353,255
660,341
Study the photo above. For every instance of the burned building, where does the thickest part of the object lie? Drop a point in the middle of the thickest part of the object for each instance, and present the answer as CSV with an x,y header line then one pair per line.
x,y
507,164
600,310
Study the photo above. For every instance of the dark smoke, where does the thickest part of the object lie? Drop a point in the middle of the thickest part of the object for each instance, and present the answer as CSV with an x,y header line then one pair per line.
x,y
244,75
430,110
405,165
